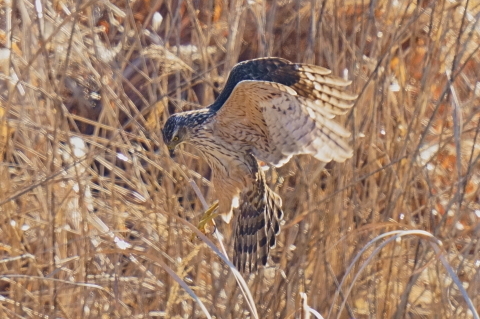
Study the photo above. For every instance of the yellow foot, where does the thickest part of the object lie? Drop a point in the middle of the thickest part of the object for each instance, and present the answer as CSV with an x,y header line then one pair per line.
x,y
207,221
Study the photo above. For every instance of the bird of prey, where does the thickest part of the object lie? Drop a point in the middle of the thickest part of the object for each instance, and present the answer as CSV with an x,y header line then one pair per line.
x,y
269,110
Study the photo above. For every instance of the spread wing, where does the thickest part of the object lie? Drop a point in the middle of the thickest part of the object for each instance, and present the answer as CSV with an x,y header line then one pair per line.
x,y
279,120
305,79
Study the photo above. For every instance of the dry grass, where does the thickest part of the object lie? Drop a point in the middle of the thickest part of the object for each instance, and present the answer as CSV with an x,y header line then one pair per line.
x,y
95,217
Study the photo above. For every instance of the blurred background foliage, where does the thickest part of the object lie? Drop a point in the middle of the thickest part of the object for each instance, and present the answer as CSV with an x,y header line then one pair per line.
x,y
95,217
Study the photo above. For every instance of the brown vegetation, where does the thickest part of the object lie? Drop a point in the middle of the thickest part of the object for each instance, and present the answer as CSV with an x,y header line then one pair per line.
x,y
96,220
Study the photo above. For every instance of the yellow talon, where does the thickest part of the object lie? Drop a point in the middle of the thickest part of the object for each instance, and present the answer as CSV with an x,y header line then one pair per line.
x,y
208,219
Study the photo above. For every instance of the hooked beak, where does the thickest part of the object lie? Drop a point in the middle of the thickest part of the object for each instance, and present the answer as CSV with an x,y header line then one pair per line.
x,y
172,152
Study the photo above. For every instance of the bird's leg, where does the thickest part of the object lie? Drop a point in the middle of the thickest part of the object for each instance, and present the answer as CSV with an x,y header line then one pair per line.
x,y
208,216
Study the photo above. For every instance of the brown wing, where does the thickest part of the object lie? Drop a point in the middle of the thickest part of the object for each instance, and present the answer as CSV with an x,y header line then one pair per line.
x,y
305,79
276,122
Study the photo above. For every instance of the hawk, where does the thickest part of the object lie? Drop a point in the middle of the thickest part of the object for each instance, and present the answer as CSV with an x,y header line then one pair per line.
x,y
269,110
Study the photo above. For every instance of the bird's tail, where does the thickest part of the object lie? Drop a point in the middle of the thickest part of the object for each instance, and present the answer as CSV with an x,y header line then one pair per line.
x,y
257,225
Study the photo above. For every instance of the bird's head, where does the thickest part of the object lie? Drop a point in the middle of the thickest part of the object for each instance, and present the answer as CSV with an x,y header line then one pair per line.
x,y
180,127
175,132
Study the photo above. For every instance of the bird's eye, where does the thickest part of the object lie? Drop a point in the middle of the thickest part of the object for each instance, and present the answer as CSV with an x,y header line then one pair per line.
x,y
175,139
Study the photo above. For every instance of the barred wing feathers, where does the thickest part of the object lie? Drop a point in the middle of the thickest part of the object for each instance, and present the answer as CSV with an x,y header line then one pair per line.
x,y
278,122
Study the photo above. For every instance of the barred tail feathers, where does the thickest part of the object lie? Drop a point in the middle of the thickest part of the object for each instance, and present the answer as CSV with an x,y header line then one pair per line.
x,y
258,223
